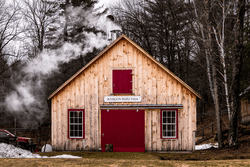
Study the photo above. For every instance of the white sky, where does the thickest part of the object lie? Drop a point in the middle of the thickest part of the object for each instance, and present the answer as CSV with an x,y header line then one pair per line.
x,y
106,3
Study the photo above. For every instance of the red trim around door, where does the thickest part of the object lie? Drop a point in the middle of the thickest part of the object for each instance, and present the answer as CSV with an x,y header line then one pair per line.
x,y
125,129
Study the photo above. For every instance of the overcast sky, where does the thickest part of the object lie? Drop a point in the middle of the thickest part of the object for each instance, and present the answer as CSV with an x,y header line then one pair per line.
x,y
107,2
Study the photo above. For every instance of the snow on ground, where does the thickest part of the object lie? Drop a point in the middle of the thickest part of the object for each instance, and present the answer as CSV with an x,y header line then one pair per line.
x,y
206,146
10,151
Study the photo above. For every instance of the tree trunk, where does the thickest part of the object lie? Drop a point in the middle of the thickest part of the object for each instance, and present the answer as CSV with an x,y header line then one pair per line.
x,y
217,107
206,33
237,61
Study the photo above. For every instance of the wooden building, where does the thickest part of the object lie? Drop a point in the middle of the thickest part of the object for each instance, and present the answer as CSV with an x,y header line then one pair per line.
x,y
245,106
126,98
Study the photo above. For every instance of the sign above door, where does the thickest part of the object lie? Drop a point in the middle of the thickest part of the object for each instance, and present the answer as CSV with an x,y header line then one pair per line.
x,y
120,99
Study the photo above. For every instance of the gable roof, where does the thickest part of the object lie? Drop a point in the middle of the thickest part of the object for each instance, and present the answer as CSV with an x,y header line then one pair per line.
x,y
245,91
138,47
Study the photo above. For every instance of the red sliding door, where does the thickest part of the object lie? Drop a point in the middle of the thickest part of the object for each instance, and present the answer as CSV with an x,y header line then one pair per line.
x,y
124,129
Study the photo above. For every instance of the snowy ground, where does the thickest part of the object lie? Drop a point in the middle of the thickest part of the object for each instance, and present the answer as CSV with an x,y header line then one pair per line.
x,y
206,146
10,151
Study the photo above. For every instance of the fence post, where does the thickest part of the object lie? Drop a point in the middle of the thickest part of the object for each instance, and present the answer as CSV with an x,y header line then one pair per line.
x,y
15,126
39,134
212,128
193,140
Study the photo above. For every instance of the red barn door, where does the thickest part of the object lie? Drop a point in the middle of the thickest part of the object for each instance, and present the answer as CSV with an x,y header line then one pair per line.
x,y
124,129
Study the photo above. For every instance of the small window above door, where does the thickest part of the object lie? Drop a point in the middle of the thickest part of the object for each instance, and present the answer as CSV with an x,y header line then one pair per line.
x,y
122,81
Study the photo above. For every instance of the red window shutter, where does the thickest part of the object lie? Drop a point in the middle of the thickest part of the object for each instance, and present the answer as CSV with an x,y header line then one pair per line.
x,y
127,81
116,81
122,82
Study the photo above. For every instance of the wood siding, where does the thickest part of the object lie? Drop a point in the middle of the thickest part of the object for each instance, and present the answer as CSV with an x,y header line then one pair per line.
x,y
245,111
150,81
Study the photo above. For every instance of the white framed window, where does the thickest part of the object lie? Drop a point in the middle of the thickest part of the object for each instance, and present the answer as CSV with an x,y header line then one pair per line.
x,y
76,124
169,124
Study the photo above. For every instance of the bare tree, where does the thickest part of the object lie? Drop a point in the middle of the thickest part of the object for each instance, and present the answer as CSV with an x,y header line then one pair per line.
x,y
219,32
40,15
9,32
204,25
237,63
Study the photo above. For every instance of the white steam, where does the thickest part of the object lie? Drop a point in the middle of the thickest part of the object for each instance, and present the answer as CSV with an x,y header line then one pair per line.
x,y
19,99
49,61
28,99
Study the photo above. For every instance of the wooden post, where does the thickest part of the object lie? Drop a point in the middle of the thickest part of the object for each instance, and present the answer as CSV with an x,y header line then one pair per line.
x,y
193,140
15,126
39,134
181,140
212,128
202,133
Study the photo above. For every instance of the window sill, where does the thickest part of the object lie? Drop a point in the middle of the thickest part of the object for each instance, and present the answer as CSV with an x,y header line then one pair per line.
x,y
168,139
76,138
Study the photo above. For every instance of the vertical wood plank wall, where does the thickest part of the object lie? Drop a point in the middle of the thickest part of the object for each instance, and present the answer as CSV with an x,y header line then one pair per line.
x,y
245,111
150,81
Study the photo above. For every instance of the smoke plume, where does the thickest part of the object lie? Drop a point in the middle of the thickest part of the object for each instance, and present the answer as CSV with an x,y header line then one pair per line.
x,y
28,100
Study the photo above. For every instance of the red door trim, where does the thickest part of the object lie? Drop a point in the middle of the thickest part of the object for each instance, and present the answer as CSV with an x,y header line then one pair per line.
x,y
137,146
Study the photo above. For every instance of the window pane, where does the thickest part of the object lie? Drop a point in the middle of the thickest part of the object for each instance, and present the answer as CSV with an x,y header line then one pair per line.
x,y
169,124
76,124
164,133
76,120
173,120
77,113
169,114
164,114
169,120
76,127
77,133
74,133
173,127
173,113
80,133
4,134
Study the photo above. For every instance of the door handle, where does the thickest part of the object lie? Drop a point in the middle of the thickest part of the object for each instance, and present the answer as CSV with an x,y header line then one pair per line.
x,y
102,134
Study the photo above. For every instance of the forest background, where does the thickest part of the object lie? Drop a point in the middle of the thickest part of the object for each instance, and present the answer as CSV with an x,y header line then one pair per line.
x,y
44,42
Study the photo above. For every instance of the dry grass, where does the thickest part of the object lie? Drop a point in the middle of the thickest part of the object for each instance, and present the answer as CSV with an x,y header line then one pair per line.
x,y
211,157
118,162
